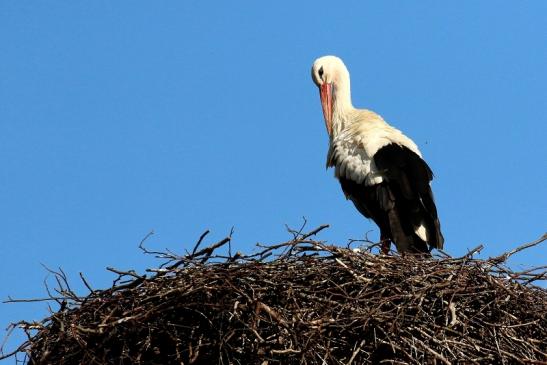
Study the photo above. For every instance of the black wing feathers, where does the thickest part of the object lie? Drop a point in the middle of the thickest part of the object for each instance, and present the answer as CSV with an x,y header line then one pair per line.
x,y
399,164
409,175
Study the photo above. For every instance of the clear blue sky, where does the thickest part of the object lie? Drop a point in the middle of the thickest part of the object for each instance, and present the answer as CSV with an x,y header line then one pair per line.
x,y
117,118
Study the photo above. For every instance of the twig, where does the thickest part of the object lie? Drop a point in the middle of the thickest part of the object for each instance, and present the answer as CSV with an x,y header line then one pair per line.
x,y
505,256
199,242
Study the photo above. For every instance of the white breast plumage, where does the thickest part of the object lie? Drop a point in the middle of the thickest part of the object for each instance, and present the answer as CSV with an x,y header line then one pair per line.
x,y
351,161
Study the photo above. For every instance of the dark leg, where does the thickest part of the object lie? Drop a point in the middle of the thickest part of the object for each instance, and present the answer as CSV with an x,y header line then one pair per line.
x,y
386,243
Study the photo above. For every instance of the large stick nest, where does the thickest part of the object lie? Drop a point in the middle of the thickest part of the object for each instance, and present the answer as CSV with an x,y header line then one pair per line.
x,y
300,302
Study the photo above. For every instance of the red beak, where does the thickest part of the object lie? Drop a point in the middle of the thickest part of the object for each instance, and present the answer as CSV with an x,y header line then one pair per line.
x,y
325,91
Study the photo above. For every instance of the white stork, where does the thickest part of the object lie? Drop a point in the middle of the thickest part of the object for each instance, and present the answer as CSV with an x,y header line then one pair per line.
x,y
380,169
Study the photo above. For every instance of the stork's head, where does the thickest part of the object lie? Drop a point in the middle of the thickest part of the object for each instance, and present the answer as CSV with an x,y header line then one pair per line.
x,y
332,78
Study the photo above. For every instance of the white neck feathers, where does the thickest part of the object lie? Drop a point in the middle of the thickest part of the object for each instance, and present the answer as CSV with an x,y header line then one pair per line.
x,y
342,106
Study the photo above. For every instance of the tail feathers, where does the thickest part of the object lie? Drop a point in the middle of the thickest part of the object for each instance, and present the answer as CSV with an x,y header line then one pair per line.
x,y
438,235
406,240
429,231
411,237
409,226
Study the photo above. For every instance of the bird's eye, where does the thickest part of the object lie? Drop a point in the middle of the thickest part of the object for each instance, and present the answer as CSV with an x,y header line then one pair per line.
x,y
320,72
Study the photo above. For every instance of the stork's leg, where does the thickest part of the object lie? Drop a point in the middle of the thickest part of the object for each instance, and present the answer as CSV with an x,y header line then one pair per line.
x,y
386,243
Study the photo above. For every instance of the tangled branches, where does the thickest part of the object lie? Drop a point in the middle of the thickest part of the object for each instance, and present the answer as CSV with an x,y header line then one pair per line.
x,y
300,302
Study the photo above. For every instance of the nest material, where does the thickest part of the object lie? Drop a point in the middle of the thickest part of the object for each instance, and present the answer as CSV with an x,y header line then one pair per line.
x,y
310,303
